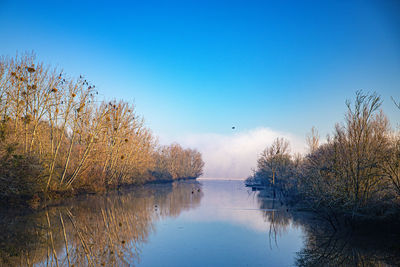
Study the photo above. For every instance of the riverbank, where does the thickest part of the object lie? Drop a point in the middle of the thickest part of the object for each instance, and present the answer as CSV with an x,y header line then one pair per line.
x,y
351,178
58,139
54,198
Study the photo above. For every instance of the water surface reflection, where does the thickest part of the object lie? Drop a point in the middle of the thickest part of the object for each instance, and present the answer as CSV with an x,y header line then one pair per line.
x,y
104,230
205,223
325,245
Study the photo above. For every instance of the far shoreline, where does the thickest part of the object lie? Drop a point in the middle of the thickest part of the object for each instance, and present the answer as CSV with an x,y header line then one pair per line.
x,y
221,179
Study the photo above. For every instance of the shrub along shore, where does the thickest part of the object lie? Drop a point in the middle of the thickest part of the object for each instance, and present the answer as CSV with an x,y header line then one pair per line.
x,y
352,178
58,138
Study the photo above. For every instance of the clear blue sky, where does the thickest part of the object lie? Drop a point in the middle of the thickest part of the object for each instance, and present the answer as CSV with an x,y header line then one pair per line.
x,y
204,66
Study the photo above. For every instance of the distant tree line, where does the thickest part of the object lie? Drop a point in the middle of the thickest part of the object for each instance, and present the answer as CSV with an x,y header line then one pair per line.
x,y
56,136
354,175
174,162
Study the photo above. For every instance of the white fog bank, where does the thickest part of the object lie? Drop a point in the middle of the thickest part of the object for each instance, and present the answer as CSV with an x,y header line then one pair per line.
x,y
234,156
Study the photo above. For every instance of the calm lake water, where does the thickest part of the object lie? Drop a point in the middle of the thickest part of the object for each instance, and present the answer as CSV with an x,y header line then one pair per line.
x,y
189,223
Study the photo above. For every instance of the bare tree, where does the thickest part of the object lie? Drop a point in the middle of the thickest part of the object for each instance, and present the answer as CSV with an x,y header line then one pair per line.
x,y
274,156
313,140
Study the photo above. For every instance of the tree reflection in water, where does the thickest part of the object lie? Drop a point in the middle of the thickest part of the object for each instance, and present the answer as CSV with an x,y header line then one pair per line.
x,y
104,230
276,213
325,246
368,247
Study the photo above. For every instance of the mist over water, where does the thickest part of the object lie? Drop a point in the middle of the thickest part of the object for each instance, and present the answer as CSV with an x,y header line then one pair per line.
x,y
234,155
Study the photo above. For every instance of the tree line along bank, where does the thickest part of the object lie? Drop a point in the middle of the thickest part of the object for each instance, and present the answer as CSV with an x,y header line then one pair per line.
x,y
57,137
352,177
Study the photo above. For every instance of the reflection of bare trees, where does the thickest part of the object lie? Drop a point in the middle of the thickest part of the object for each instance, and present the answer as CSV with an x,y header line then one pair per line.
x,y
328,246
372,247
276,213
104,230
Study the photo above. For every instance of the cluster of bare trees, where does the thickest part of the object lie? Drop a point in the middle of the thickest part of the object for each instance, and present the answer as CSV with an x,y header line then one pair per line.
x,y
174,162
277,168
55,134
355,173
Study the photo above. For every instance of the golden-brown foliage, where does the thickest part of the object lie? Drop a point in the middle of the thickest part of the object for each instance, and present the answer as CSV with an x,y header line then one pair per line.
x,y
79,142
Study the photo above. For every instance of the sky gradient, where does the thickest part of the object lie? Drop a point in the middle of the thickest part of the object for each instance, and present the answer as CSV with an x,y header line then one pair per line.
x,y
197,69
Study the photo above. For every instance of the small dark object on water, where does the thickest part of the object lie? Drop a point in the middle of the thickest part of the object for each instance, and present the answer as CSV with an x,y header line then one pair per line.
x,y
233,127
192,192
